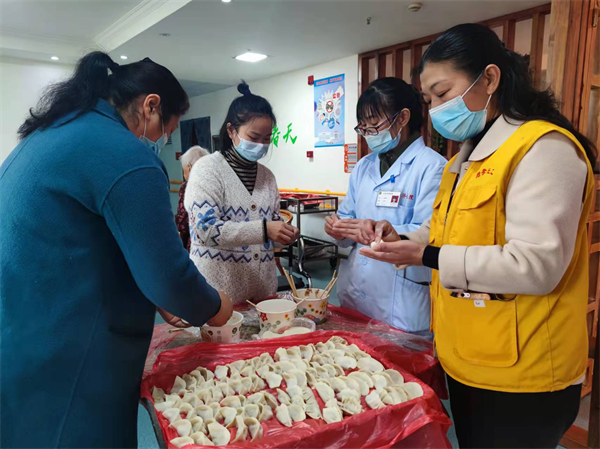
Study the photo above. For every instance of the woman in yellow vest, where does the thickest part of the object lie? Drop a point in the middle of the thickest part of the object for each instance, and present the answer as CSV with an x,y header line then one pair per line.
x,y
507,244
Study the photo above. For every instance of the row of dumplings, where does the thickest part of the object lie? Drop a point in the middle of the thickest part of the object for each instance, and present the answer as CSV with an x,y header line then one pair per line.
x,y
211,403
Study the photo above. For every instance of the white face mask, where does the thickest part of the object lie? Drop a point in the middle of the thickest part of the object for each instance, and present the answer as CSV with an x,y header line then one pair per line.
x,y
159,144
251,151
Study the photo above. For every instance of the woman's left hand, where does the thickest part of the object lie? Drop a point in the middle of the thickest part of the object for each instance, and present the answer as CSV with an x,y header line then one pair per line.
x,y
403,252
361,231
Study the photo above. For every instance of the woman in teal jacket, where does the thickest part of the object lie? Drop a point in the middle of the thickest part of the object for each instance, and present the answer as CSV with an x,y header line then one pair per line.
x,y
88,249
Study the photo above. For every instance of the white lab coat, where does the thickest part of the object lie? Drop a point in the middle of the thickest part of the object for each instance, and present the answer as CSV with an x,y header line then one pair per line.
x,y
376,289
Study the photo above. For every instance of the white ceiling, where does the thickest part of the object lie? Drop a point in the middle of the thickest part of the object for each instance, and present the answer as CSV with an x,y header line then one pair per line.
x,y
207,34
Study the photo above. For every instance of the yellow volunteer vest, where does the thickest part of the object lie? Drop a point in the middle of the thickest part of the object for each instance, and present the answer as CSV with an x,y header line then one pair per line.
x,y
529,344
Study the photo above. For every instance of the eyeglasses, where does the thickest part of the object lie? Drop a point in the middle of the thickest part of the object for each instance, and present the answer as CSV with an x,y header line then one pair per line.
x,y
374,130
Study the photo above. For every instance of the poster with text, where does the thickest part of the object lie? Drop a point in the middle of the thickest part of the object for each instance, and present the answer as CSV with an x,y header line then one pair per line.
x,y
329,111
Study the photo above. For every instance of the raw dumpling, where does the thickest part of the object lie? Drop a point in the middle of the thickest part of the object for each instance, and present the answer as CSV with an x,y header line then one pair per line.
x,y
228,414
337,384
266,358
172,414
297,400
300,377
339,370
266,413
281,354
283,415
218,434
232,401
257,383
348,393
274,380
312,409
190,381
311,379
256,430
263,371
225,389
370,364
335,353
158,395
379,381
221,372
197,425
217,394
246,385
242,430
294,352
256,398
162,406
394,396
346,362
181,441
205,412
363,376
178,386
325,391
238,365
173,397
294,391
201,439
270,399
337,339
296,413
251,411
374,400
285,366
236,385
215,408
283,397
186,408
351,406
290,380
351,383
205,395
300,364
332,414
413,390
199,378
397,378
307,394
247,371
331,370
321,347
206,373
307,352
183,427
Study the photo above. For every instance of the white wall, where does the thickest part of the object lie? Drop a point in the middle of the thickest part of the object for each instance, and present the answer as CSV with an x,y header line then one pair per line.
x,y
22,83
292,100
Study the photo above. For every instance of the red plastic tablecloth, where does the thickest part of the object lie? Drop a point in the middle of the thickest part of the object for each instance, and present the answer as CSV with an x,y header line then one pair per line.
x,y
417,423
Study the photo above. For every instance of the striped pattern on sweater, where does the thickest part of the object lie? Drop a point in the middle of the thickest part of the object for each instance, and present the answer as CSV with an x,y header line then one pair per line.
x,y
245,170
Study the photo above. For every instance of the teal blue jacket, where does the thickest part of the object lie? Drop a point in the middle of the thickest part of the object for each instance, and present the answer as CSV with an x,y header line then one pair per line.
x,y
88,249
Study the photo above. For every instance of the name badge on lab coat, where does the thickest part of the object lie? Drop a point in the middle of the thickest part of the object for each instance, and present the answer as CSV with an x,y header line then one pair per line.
x,y
388,199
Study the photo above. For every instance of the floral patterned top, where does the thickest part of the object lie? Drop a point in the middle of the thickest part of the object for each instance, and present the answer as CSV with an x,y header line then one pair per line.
x,y
181,219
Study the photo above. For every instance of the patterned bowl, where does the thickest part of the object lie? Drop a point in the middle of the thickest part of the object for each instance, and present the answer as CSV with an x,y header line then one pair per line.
x,y
311,305
228,333
275,313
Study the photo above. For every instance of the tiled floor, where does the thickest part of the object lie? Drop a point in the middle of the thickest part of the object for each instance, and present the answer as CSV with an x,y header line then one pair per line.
x,y
321,274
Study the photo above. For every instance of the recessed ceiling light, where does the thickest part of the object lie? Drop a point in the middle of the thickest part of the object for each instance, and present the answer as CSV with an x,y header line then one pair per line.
x,y
251,57
226,1
123,57
54,58
164,34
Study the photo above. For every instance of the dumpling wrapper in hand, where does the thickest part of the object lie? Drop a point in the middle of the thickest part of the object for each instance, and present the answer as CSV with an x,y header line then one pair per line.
x,y
219,435
181,441
283,415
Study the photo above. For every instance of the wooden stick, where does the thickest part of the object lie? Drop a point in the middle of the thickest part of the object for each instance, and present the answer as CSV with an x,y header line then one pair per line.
x,y
252,304
331,285
325,289
291,281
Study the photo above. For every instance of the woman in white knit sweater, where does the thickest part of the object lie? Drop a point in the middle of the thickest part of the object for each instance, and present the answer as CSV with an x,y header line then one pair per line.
x,y
233,205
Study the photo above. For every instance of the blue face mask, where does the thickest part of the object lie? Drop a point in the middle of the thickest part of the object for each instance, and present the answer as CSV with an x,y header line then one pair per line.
x,y
455,121
251,151
159,144
383,141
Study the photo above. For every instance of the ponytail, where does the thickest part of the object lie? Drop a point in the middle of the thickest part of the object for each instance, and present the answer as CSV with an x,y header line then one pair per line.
x,y
470,48
92,82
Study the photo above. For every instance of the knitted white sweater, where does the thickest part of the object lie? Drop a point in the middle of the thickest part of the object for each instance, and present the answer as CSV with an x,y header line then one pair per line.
x,y
226,228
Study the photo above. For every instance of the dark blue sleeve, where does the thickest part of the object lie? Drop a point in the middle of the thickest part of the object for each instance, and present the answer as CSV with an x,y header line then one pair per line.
x,y
137,209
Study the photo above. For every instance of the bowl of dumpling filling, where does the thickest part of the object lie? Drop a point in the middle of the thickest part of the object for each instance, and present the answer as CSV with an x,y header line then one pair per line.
x,y
228,333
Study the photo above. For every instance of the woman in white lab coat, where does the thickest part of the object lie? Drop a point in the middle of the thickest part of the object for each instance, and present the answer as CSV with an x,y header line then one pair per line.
x,y
397,182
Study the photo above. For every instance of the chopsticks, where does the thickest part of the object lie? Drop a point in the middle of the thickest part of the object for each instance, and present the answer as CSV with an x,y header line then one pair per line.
x,y
252,304
290,280
329,287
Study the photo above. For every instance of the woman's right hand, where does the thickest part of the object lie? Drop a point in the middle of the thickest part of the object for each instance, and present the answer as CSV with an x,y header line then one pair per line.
x,y
224,312
282,233
385,232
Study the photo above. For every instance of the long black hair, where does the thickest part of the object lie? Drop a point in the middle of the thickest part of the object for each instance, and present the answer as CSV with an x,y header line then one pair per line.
x,y
388,96
243,110
470,48
92,82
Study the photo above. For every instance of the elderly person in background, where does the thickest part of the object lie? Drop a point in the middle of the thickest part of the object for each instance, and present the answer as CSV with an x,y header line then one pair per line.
x,y
188,159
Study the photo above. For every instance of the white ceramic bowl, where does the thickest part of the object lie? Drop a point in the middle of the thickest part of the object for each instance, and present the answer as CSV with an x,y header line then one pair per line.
x,y
275,313
228,333
311,305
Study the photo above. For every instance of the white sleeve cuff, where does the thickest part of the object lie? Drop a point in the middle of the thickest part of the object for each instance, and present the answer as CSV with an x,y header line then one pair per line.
x,y
452,267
